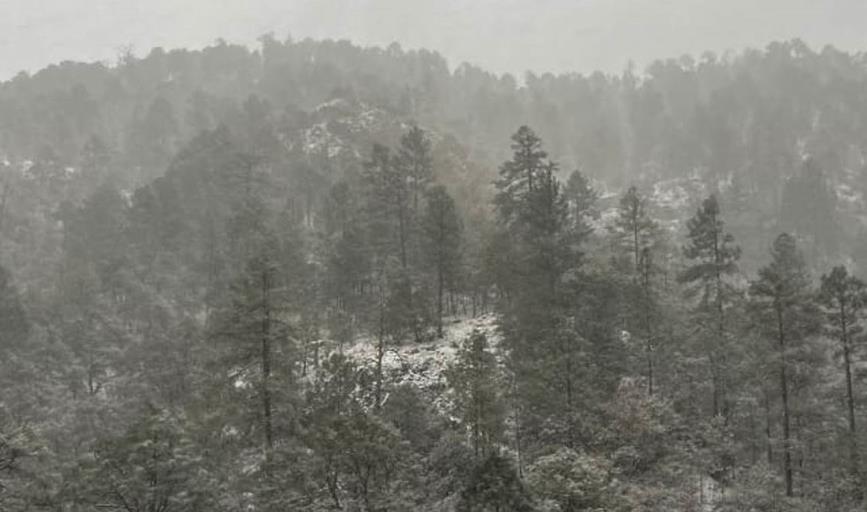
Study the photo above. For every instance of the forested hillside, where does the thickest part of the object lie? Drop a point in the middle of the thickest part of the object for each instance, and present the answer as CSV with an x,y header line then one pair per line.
x,y
313,276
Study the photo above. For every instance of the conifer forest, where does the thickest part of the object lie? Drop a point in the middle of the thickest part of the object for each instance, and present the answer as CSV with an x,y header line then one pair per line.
x,y
311,275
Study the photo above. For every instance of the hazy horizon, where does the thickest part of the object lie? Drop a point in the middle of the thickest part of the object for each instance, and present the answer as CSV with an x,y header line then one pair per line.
x,y
552,35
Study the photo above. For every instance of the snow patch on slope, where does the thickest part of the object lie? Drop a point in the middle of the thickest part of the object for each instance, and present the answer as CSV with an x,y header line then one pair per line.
x,y
424,365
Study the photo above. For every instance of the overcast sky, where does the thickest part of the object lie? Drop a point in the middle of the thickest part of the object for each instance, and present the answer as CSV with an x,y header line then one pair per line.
x,y
502,35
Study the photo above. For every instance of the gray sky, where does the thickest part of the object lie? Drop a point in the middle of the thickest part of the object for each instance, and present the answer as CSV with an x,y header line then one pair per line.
x,y
502,35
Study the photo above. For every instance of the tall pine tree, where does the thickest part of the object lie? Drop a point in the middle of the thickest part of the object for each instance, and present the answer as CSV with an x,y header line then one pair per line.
x,y
442,229
712,258
844,298
782,298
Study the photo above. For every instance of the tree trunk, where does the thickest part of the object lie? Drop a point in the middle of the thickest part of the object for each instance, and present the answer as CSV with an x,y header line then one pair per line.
x,y
402,235
722,379
266,364
784,393
570,400
440,271
649,369
440,286
518,446
850,397
715,386
768,438
635,221
380,352
648,321
3,204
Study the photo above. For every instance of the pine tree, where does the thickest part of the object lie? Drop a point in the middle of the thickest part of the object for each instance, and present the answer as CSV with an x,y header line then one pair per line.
x,y
478,400
348,255
95,159
539,265
391,233
250,332
518,176
14,324
94,286
647,306
844,298
808,209
575,481
389,203
153,466
357,453
330,397
582,200
634,225
494,486
442,229
256,341
154,134
781,295
635,231
532,210
416,161
712,256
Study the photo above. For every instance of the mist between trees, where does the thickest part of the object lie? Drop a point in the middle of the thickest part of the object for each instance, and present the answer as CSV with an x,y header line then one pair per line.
x,y
316,277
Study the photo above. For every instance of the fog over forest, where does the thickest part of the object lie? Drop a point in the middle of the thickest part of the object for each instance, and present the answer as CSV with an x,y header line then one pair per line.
x,y
375,266
503,36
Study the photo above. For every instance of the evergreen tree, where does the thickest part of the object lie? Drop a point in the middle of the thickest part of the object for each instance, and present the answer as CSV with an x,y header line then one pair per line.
x,y
348,257
153,466
358,454
635,231
633,225
415,158
781,296
517,175
478,403
574,481
808,209
251,332
494,486
390,230
442,229
95,159
844,298
389,205
14,324
532,210
256,328
541,259
93,288
582,200
647,307
154,133
712,258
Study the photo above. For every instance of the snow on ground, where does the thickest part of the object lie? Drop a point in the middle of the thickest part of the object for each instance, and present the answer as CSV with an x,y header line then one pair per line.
x,y
318,140
671,202
849,197
710,494
424,365
337,123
